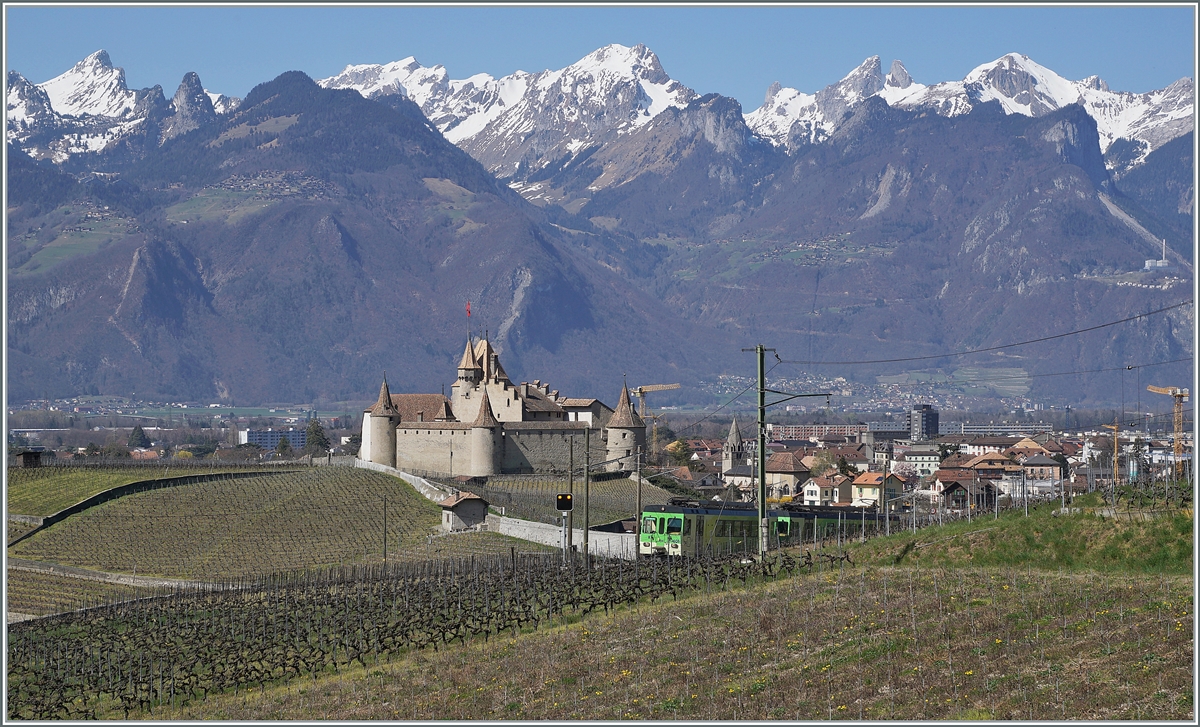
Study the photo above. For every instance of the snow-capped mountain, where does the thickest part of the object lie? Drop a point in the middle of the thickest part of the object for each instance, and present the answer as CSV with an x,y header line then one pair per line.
x,y
789,117
90,108
525,122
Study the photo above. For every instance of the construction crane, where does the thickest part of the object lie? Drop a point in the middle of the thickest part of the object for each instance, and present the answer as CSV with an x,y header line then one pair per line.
x,y
1181,395
640,392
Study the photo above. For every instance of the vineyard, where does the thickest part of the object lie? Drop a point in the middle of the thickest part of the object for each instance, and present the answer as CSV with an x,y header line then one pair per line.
x,y
41,594
533,499
224,529
42,491
177,649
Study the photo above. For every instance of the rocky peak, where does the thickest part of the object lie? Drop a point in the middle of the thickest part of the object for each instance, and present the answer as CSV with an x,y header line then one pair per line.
x,y
192,108
772,91
898,77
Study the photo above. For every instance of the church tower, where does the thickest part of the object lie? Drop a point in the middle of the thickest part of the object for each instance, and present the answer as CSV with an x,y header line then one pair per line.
x,y
734,451
626,432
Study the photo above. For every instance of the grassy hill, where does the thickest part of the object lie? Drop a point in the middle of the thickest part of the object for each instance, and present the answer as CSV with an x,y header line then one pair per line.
x,y
935,637
233,529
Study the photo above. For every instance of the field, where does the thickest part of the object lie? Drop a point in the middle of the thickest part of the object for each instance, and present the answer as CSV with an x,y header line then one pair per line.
x,y
1043,540
44,593
43,491
233,529
1032,618
531,499
871,642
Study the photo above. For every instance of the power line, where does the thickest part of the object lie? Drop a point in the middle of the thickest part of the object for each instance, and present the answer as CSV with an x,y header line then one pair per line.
x,y
719,408
990,348
1021,377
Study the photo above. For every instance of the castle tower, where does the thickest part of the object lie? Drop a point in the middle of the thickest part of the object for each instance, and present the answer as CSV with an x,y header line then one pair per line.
x,y
469,370
379,430
464,397
734,451
484,432
626,432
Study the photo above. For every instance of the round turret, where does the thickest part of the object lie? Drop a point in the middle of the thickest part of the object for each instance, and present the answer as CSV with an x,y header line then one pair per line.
x,y
626,433
484,431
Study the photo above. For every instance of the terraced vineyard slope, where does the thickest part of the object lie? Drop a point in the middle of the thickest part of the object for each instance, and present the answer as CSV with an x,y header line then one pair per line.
x,y
232,529
533,499
43,491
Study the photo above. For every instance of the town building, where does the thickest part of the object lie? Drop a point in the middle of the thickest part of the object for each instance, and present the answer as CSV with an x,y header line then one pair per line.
x,y
269,438
923,423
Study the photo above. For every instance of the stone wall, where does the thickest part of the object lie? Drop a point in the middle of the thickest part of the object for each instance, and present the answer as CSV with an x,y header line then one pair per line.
x,y
444,449
529,450
609,545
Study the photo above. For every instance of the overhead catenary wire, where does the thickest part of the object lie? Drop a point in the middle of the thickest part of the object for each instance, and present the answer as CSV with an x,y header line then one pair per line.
x,y
989,348
1020,377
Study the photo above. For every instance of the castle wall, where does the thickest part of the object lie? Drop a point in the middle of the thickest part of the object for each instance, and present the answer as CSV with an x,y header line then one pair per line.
x,y
441,447
543,449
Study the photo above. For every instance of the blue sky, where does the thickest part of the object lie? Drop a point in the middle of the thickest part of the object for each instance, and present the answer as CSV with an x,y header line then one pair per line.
x,y
735,51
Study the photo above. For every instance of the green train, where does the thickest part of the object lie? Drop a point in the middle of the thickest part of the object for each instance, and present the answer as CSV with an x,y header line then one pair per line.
x,y
691,528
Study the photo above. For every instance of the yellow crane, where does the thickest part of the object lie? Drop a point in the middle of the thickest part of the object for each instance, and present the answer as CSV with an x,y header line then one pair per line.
x,y
640,392
1181,395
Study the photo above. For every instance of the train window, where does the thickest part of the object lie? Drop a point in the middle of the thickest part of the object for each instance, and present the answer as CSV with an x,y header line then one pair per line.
x,y
700,525
781,527
648,525
675,525
687,526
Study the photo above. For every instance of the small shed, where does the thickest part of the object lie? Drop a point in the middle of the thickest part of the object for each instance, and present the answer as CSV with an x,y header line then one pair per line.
x,y
981,496
463,511
29,458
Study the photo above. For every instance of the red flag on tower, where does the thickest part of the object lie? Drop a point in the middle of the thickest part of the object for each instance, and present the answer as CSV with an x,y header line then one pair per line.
x,y
468,309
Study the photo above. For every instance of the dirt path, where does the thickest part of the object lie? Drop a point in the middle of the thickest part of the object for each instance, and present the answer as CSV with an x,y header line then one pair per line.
x,y
93,575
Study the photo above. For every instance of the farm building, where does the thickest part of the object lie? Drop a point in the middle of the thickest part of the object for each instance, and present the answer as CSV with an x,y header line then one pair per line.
x,y
463,511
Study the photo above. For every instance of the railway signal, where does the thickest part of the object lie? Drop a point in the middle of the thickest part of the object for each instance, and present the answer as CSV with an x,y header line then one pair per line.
x,y
562,502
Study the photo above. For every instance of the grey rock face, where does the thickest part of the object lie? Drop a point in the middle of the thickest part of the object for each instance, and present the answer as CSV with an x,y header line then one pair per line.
x,y
898,76
192,109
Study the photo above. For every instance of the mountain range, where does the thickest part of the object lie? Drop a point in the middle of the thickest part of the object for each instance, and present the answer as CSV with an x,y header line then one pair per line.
x,y
603,218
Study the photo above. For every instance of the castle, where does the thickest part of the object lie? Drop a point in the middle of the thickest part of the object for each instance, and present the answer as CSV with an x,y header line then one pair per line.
x,y
490,426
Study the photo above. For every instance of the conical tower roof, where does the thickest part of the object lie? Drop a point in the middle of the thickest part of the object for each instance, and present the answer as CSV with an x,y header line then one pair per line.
x,y
383,405
468,358
625,417
485,418
735,435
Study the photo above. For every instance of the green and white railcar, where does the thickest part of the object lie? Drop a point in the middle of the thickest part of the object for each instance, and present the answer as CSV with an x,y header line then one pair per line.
x,y
696,529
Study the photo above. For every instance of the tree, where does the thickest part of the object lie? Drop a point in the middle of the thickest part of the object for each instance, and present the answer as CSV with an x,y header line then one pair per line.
x,y
317,442
679,452
92,450
115,450
845,468
353,445
905,471
284,448
138,438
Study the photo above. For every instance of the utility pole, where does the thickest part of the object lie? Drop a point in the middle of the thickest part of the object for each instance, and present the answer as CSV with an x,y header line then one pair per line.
x,y
385,529
571,489
587,475
759,350
762,452
637,476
